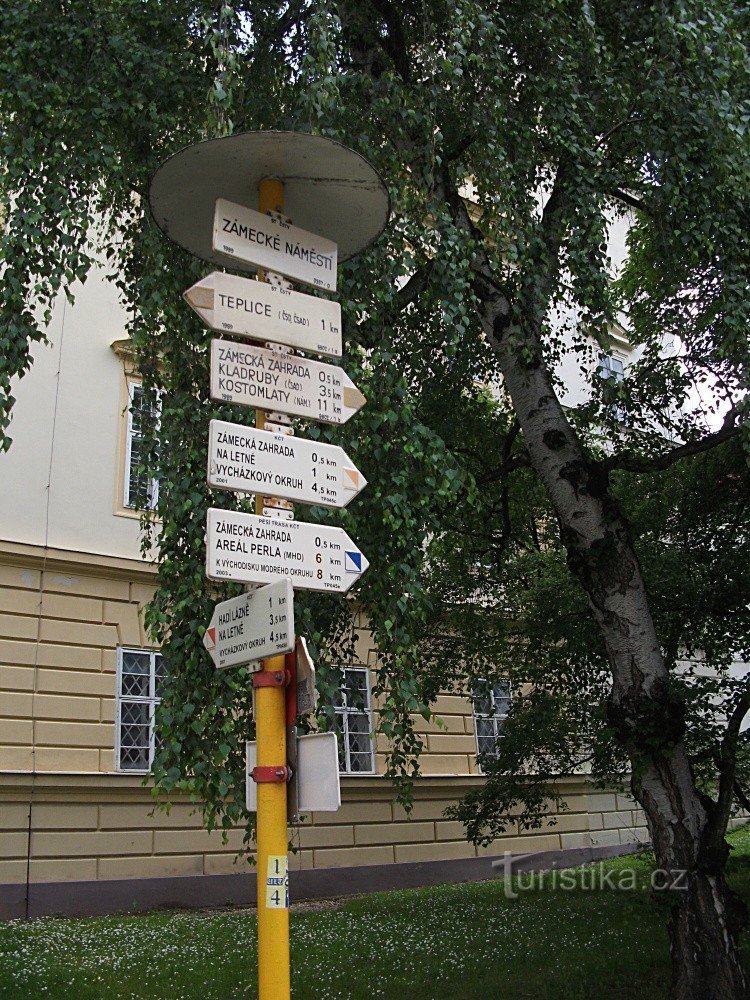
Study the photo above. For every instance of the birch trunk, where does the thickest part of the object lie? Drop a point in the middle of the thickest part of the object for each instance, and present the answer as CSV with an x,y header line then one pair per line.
x,y
647,718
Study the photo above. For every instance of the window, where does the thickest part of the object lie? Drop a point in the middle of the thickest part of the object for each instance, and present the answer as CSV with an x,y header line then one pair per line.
x,y
140,674
612,370
141,490
492,701
353,723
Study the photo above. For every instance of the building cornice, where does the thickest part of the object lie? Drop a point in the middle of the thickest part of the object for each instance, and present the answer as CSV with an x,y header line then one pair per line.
x,y
69,560
107,785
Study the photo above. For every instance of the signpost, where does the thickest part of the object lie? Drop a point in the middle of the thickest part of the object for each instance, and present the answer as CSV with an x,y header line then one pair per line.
x,y
254,461
246,548
254,625
273,243
249,308
335,191
255,376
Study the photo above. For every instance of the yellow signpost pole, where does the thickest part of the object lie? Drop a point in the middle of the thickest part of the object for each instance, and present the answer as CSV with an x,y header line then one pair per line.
x,y
270,735
337,190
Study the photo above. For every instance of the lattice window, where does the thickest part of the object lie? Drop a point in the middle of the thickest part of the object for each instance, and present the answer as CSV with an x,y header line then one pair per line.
x,y
353,723
492,701
141,490
140,676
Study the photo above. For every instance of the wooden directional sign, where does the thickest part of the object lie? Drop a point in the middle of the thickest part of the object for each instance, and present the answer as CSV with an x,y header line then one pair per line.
x,y
247,628
262,311
268,241
255,376
251,549
255,461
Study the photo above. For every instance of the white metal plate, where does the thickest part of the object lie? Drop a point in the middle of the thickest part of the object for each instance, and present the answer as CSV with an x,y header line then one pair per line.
x,y
307,693
256,461
247,548
254,376
318,784
268,241
251,788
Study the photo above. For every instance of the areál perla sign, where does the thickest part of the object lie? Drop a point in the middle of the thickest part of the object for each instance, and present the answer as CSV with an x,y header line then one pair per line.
x,y
247,548
271,243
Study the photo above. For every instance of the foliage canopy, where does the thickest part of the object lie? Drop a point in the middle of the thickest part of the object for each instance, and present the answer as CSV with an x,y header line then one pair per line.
x,y
550,121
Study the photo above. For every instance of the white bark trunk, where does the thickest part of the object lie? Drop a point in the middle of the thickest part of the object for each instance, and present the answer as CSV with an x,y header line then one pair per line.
x,y
647,719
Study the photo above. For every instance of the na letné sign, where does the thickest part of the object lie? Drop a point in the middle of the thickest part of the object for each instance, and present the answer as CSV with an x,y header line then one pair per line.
x,y
245,629
257,461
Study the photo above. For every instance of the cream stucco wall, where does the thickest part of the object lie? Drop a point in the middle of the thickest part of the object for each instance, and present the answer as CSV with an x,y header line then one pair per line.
x,y
83,474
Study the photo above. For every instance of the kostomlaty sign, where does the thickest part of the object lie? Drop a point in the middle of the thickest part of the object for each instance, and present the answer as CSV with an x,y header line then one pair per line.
x,y
274,380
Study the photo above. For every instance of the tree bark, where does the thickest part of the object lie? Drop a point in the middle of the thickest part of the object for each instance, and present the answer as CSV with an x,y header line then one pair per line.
x,y
647,717
687,828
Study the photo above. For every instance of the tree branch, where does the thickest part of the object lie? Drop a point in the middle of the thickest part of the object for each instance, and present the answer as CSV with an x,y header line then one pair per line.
x,y
520,460
727,765
553,229
395,41
629,462
413,287
459,148
741,797
630,200
277,29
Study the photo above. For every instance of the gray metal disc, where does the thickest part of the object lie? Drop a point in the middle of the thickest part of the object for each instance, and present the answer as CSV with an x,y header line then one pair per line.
x,y
328,189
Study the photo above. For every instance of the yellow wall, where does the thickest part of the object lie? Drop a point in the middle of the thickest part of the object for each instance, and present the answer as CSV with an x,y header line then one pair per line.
x,y
101,827
59,631
62,617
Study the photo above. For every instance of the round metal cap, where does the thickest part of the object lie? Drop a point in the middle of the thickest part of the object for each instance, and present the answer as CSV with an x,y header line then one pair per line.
x,y
328,189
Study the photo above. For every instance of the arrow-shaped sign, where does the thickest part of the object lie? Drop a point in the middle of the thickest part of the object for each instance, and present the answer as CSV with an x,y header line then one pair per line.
x,y
248,628
251,549
255,461
271,242
254,376
262,311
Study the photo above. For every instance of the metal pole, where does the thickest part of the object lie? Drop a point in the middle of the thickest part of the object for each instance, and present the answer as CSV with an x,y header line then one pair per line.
x,y
270,728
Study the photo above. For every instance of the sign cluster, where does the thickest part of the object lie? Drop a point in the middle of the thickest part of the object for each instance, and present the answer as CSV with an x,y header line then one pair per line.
x,y
247,548
271,548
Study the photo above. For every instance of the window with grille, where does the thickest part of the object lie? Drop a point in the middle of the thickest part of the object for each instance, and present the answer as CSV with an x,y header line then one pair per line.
x,y
140,675
492,701
353,723
141,490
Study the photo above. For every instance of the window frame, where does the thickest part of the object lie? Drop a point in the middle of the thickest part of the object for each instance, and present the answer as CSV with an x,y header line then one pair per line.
x,y
151,700
606,371
343,712
495,718
611,375
131,384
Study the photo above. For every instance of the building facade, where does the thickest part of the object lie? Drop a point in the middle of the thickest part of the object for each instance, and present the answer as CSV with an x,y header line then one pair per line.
x,y
79,680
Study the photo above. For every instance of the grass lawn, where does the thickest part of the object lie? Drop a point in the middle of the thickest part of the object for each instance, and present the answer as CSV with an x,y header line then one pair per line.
x,y
457,942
